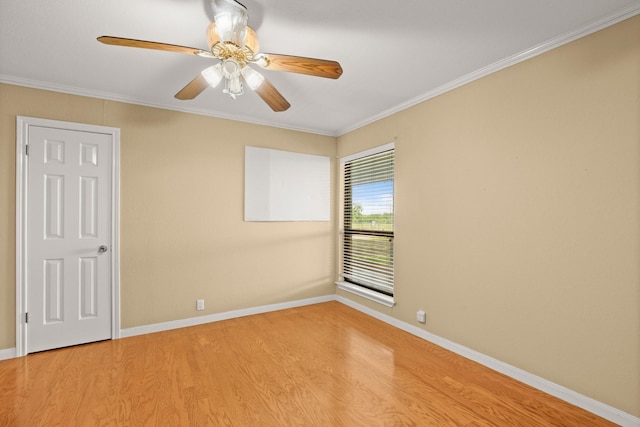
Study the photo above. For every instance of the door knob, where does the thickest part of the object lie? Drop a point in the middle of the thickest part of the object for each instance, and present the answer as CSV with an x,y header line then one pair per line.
x,y
102,249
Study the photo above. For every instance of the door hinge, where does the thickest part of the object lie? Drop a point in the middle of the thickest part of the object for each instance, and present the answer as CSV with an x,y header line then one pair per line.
x,y
26,149
26,317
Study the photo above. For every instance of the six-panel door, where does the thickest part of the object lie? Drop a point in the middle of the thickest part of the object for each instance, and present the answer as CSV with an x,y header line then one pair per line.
x,y
69,219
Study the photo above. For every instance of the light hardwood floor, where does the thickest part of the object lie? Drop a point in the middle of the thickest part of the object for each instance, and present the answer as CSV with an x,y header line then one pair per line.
x,y
320,365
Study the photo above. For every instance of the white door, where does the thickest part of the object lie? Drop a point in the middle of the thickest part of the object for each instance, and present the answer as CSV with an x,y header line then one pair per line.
x,y
68,254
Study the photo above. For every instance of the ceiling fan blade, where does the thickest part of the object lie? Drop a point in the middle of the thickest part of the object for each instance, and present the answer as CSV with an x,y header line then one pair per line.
x,y
120,41
193,88
301,65
272,97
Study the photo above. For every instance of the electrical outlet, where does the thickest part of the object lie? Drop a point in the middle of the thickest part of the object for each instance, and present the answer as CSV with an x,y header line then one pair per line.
x,y
200,304
421,316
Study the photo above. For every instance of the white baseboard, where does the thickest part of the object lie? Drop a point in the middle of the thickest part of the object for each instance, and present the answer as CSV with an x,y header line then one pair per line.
x,y
603,410
8,353
193,321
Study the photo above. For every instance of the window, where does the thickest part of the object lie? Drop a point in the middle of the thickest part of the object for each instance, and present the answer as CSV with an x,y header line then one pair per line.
x,y
369,222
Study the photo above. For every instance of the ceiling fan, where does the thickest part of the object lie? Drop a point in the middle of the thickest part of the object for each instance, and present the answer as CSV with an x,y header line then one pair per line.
x,y
236,45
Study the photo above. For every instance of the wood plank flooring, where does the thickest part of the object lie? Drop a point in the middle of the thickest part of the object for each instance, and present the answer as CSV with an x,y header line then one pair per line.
x,y
319,365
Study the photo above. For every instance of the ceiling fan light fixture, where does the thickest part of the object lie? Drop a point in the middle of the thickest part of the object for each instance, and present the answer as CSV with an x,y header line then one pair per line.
x,y
233,87
213,75
253,78
230,68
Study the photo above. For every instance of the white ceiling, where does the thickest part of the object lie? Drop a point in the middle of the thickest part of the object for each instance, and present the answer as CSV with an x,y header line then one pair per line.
x,y
394,53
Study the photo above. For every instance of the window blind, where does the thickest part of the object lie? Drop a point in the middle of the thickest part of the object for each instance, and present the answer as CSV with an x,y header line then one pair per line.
x,y
369,221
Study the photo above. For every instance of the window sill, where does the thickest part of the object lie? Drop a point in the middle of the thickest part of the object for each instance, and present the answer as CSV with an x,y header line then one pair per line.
x,y
378,297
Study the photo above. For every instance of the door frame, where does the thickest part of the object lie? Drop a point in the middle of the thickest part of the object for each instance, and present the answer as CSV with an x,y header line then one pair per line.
x,y
22,169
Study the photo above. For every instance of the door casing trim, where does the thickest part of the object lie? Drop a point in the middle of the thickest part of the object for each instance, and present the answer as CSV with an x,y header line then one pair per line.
x,y
22,137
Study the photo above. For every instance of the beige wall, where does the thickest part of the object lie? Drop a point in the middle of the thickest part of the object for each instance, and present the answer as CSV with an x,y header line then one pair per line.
x,y
518,214
182,231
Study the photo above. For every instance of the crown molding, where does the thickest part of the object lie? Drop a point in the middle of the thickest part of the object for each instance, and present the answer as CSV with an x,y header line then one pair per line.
x,y
72,90
539,49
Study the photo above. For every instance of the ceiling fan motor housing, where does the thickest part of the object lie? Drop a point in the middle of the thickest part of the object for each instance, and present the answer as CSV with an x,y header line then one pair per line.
x,y
231,21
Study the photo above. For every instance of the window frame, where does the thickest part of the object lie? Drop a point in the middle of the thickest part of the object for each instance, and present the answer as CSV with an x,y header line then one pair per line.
x,y
362,290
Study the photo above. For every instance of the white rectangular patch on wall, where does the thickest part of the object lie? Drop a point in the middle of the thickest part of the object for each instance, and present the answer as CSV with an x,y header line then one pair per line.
x,y
286,186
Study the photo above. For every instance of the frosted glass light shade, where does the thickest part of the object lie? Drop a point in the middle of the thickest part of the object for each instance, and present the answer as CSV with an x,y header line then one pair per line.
x,y
253,78
213,74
